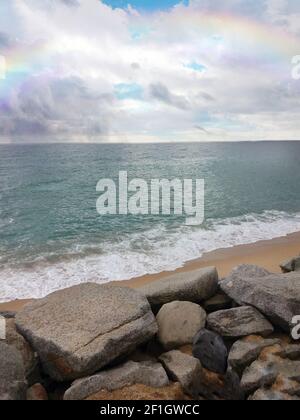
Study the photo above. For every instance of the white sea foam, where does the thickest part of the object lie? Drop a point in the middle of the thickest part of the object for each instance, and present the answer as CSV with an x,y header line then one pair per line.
x,y
153,251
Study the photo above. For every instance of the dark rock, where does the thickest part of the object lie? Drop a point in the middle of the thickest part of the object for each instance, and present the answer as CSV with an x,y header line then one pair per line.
x,y
218,302
210,349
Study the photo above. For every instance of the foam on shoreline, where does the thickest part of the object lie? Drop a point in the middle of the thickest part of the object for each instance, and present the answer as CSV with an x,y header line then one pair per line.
x,y
159,251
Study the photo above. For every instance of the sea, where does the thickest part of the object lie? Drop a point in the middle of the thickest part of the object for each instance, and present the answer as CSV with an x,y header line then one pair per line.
x,y
52,237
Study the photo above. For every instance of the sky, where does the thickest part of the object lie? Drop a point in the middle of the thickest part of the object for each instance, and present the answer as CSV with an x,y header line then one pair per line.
x,y
148,70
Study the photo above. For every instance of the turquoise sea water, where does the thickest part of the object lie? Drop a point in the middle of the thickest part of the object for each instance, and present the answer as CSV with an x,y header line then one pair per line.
x,y
51,235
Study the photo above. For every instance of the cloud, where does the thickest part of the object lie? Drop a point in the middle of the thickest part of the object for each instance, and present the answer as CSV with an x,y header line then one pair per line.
x,y
79,70
161,93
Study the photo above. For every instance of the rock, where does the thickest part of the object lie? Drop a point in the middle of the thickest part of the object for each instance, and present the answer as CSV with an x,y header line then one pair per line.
x,y
273,371
185,369
246,271
178,323
286,386
210,349
217,387
12,374
291,351
131,373
193,286
7,314
291,265
218,302
269,395
172,392
258,375
239,322
78,331
37,393
30,360
246,351
277,296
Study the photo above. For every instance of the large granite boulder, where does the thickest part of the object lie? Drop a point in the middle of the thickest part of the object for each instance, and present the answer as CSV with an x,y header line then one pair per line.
x,y
131,373
13,384
79,330
277,296
210,349
193,286
178,323
239,322
185,369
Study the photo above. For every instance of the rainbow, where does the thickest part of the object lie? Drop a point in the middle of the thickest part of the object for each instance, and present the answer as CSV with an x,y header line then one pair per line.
x,y
244,36
240,29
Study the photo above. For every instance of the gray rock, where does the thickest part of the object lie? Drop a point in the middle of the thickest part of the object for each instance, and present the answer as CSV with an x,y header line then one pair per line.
x,y
12,374
79,330
218,302
276,296
239,322
178,323
246,271
269,395
131,373
246,351
30,360
265,371
194,286
184,369
210,349
291,265
291,351
8,314
258,375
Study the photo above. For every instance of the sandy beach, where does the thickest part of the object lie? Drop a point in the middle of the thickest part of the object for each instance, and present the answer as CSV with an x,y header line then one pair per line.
x,y
267,254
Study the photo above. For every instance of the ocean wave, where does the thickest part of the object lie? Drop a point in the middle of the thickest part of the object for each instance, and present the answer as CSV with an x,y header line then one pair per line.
x,y
155,250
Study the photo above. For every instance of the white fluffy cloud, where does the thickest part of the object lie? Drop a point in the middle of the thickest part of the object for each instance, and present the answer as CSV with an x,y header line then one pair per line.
x,y
78,70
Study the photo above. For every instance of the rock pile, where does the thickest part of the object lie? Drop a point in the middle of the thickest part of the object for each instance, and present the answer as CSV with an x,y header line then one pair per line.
x,y
210,339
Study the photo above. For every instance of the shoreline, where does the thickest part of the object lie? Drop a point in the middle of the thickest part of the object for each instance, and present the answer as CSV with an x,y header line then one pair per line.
x,y
267,254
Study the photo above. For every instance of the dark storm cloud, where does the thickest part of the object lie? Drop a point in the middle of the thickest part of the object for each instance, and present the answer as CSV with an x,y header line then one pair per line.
x,y
161,93
58,107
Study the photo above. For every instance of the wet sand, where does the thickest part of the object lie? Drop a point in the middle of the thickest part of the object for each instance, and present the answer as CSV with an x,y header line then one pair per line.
x,y
267,254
